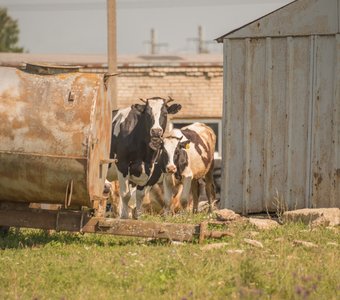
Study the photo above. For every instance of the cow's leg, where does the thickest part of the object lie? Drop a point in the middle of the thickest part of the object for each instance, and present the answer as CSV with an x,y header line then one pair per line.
x,y
168,186
140,193
175,205
202,190
195,193
186,191
124,196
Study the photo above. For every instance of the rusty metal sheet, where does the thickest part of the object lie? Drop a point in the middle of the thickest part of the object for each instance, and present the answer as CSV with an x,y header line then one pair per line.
x,y
55,130
99,143
302,17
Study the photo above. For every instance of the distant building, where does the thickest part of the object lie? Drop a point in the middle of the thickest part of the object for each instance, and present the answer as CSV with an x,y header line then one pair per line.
x,y
194,81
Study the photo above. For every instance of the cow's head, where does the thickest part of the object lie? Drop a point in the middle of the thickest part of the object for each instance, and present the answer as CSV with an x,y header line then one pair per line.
x,y
155,111
174,157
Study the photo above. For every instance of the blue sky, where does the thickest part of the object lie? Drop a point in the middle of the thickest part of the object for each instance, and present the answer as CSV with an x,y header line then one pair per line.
x,y
79,26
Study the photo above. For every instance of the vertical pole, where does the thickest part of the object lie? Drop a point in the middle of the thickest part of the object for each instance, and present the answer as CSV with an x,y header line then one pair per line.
x,y
153,41
112,52
200,40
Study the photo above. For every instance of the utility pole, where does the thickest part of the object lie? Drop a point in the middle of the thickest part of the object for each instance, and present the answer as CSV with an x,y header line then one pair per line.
x,y
201,43
154,46
201,48
111,53
153,42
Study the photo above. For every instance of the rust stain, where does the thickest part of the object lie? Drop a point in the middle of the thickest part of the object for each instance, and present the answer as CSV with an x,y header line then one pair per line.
x,y
318,179
4,129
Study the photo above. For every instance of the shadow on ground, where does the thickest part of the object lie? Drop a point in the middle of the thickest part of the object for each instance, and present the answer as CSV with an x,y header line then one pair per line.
x,y
32,238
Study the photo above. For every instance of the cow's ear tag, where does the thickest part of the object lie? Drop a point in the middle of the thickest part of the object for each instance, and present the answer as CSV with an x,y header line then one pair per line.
x,y
187,146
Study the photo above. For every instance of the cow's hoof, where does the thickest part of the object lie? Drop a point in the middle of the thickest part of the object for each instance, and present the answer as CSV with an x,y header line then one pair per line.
x,y
203,199
166,213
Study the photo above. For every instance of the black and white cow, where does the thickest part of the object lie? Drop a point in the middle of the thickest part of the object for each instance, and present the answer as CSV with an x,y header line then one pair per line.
x,y
188,158
136,144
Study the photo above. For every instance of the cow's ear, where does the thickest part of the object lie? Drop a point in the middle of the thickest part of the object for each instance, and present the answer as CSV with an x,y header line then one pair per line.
x,y
185,145
174,108
139,107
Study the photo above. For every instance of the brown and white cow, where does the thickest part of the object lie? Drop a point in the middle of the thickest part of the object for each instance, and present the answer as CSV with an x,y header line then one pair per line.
x,y
188,158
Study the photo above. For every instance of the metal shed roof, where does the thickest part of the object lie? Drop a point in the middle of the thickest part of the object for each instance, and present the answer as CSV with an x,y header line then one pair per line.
x,y
298,18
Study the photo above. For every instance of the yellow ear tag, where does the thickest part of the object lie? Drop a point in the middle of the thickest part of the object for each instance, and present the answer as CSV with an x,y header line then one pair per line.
x,y
187,146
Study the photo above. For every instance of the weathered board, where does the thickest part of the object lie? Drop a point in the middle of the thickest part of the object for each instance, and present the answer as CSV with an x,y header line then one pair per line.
x,y
83,221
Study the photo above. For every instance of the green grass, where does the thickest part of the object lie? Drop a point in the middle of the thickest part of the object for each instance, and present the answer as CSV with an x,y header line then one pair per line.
x,y
34,265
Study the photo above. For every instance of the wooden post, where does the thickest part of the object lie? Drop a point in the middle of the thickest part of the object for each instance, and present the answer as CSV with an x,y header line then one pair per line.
x,y
112,52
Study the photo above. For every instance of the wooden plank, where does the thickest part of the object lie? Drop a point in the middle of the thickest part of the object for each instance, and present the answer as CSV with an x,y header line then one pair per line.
x,y
81,221
176,232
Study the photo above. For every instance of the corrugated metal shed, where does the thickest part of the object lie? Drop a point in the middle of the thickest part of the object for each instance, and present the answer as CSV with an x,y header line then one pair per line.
x,y
282,110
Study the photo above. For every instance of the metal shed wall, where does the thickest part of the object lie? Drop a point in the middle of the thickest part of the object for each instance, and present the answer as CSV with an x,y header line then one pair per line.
x,y
281,122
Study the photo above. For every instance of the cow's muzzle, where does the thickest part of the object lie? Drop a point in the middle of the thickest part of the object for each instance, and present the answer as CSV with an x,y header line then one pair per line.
x,y
156,132
171,169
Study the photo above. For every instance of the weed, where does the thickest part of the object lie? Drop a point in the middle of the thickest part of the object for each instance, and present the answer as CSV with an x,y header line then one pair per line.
x,y
280,205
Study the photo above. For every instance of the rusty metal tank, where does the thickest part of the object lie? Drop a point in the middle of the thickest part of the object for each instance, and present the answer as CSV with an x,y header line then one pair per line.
x,y
54,135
